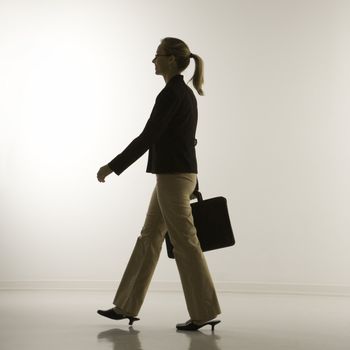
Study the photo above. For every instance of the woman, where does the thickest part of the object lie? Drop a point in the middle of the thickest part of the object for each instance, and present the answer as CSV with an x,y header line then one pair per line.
x,y
169,136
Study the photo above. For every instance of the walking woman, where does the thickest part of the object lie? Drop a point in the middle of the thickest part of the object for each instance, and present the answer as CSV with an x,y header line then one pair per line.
x,y
169,138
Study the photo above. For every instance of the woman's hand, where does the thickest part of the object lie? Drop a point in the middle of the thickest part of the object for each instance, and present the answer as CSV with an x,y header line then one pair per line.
x,y
104,172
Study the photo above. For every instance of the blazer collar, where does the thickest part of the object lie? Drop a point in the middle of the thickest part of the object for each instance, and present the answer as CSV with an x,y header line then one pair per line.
x,y
176,77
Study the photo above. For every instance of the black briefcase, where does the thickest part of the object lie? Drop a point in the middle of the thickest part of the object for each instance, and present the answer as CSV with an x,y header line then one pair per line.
x,y
212,223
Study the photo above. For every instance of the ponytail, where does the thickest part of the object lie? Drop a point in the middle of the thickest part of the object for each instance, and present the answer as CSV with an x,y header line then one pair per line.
x,y
198,76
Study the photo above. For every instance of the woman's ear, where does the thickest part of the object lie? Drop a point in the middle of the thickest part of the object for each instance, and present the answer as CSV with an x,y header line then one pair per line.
x,y
172,59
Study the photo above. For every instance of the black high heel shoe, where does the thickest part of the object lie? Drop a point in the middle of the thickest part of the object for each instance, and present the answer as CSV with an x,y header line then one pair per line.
x,y
114,316
190,326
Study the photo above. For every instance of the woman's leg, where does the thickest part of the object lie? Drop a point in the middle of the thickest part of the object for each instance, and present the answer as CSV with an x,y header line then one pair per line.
x,y
139,271
173,191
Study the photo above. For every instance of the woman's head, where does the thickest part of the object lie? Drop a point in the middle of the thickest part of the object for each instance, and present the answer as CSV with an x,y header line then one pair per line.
x,y
175,55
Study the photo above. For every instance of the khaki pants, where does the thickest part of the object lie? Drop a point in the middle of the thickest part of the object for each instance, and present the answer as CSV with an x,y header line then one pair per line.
x,y
169,210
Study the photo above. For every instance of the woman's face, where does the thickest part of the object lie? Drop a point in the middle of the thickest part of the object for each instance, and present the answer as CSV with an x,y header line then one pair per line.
x,y
162,61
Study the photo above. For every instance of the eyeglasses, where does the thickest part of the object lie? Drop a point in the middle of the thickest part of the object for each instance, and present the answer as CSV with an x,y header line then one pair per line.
x,y
158,55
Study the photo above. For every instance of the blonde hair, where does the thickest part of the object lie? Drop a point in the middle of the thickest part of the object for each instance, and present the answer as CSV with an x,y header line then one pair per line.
x,y
182,54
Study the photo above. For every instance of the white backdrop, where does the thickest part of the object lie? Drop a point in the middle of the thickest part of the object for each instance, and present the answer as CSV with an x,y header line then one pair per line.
x,y
77,85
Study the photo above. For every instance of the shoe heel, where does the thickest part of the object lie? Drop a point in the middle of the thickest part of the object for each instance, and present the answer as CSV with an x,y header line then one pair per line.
x,y
213,324
132,320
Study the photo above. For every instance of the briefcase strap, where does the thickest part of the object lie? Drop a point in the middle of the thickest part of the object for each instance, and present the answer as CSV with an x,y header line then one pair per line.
x,y
196,192
196,189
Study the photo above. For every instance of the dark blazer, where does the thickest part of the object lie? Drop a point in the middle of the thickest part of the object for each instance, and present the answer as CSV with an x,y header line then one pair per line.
x,y
169,134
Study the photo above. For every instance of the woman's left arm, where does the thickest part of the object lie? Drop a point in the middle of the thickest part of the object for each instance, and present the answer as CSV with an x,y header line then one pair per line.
x,y
163,111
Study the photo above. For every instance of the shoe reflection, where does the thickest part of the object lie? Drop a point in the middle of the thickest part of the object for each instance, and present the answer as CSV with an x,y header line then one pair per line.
x,y
202,341
122,339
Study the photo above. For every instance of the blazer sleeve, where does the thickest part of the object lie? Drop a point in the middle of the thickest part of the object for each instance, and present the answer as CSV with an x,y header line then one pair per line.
x,y
164,109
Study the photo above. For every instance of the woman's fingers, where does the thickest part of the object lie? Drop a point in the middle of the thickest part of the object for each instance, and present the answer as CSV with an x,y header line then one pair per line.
x,y
103,172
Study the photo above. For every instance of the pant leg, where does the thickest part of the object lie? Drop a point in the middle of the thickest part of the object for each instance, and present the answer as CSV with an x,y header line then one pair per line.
x,y
142,263
173,191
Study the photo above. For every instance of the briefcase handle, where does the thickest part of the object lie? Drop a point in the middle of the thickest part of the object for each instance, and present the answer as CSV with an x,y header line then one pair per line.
x,y
196,192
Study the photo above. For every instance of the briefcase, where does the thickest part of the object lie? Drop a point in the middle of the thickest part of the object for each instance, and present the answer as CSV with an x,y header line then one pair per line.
x,y
212,222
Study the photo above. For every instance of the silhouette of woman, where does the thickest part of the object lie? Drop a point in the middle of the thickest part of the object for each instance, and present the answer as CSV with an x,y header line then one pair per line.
x,y
169,138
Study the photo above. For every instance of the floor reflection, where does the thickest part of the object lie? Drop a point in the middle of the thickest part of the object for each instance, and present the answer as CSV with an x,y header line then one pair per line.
x,y
202,341
122,339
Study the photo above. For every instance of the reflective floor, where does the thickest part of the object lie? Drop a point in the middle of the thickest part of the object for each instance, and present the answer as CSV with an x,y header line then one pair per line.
x,y
68,320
